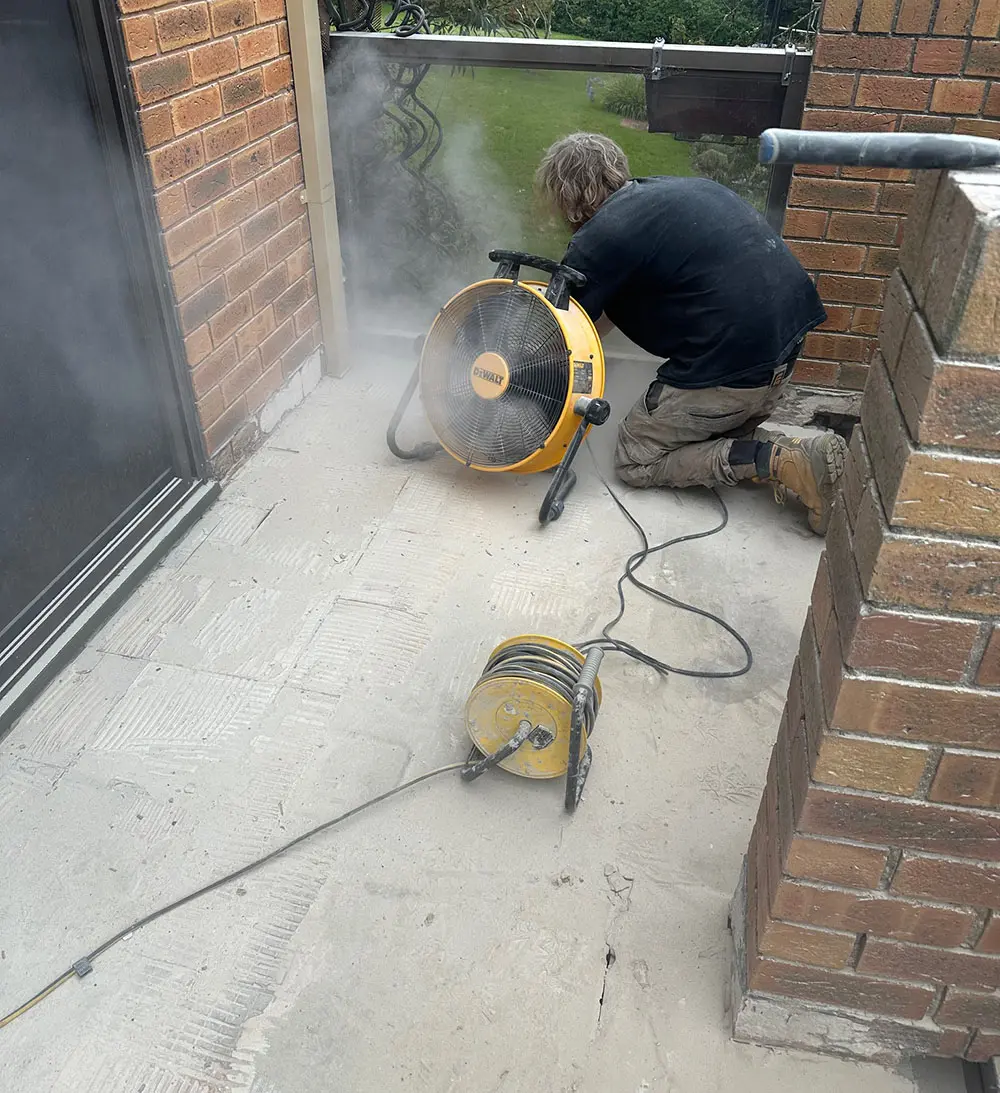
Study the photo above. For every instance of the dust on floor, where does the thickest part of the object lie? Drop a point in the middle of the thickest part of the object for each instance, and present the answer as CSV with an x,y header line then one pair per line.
x,y
310,643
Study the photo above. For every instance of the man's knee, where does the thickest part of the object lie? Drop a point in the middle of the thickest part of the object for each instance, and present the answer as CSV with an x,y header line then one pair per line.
x,y
633,459
703,464
633,474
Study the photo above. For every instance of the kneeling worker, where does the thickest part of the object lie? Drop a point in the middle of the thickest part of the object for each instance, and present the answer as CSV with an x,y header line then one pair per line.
x,y
691,273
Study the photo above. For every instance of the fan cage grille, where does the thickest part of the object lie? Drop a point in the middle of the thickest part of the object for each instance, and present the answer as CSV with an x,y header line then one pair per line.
x,y
516,323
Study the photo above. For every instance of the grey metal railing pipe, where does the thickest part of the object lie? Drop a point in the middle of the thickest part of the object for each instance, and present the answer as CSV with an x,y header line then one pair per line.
x,y
903,150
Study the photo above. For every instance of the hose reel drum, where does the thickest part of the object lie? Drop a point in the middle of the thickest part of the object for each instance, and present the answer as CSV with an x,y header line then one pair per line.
x,y
533,710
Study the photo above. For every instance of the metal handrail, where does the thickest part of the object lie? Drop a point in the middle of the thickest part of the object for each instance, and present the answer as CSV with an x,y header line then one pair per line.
x,y
563,54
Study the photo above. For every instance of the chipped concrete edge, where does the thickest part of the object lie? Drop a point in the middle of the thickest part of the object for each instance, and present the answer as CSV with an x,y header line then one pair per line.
x,y
816,406
778,1022
251,433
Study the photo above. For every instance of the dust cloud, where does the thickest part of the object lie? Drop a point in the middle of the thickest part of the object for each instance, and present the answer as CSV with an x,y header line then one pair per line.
x,y
414,231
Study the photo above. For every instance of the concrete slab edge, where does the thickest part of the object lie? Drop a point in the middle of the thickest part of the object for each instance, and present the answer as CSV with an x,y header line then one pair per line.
x,y
251,433
773,1021
821,407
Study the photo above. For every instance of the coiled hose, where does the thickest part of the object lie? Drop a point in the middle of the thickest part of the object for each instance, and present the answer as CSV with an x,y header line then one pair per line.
x,y
540,663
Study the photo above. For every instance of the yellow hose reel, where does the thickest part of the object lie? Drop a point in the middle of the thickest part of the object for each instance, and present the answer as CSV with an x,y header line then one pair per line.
x,y
533,711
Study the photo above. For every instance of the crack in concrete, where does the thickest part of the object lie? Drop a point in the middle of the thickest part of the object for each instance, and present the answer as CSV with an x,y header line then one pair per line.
x,y
609,963
620,887
265,516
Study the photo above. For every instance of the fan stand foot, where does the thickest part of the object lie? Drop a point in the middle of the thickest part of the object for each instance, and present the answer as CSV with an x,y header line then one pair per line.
x,y
425,449
555,498
592,411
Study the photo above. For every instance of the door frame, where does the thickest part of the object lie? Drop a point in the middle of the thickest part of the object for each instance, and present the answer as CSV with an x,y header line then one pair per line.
x,y
58,622
116,110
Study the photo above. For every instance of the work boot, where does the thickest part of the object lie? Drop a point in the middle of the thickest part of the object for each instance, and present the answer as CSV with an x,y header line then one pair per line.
x,y
809,468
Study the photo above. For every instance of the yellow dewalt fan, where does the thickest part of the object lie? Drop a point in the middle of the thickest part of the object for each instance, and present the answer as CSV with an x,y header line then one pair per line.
x,y
511,376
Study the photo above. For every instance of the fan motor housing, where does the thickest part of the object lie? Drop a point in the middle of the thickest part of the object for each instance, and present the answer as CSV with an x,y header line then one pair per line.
x,y
490,375
501,371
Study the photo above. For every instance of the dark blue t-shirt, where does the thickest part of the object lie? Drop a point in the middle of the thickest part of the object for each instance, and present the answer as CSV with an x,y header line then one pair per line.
x,y
690,272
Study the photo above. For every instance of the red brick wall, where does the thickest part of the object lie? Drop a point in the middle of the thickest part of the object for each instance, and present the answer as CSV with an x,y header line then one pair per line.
x,y
213,82
880,65
873,874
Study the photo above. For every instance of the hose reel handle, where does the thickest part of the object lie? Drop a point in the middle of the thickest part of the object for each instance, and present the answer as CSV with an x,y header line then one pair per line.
x,y
580,756
591,666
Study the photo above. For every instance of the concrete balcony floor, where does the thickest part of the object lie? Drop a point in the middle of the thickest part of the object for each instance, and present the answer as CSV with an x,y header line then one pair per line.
x,y
311,643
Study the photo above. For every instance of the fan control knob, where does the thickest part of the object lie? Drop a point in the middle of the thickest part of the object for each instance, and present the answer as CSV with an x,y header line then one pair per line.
x,y
594,411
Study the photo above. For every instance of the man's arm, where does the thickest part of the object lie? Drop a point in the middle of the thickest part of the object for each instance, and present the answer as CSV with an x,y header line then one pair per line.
x,y
607,261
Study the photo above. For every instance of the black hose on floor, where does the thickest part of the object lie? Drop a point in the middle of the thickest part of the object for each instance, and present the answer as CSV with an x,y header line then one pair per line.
x,y
606,641
555,668
84,965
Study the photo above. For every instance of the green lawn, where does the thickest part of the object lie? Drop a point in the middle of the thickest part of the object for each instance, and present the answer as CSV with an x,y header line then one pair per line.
x,y
497,125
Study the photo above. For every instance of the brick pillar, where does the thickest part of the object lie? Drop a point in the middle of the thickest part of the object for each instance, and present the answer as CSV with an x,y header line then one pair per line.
x,y
213,84
868,919
880,65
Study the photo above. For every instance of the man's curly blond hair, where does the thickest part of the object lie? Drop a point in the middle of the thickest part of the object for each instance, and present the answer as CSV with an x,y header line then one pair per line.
x,y
579,173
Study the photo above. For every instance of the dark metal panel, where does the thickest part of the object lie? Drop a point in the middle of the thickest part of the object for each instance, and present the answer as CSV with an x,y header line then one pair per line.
x,y
730,105
99,440
83,419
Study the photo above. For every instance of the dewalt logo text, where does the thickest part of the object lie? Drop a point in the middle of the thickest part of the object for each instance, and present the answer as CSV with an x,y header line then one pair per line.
x,y
490,377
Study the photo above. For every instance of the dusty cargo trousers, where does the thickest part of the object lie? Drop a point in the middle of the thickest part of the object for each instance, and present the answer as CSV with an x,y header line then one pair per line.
x,y
679,437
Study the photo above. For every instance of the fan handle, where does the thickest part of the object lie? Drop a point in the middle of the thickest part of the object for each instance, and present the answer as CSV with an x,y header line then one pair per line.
x,y
561,278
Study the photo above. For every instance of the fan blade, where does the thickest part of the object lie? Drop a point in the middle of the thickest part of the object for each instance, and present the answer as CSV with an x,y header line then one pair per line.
x,y
514,322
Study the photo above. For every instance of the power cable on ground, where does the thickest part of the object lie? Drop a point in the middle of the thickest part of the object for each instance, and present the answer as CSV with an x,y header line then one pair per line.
x,y
84,965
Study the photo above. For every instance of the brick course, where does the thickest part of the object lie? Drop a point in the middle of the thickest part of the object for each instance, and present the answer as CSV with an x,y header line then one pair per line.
x,y
878,834
879,65
212,80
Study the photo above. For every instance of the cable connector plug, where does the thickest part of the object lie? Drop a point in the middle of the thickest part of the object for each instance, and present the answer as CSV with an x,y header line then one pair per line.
x,y
83,967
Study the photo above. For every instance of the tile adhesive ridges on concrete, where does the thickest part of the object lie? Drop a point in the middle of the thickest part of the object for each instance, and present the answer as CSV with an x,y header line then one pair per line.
x,y
312,643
